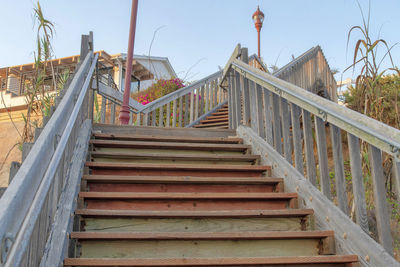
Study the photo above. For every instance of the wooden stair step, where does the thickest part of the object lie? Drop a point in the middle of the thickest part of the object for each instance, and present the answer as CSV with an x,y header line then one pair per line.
x,y
188,201
220,113
115,168
151,130
160,138
110,183
181,179
269,235
170,145
224,123
186,221
171,156
301,261
192,196
204,244
212,120
197,214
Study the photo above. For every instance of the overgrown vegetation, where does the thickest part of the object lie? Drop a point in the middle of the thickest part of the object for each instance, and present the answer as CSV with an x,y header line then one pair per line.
x,y
376,94
159,89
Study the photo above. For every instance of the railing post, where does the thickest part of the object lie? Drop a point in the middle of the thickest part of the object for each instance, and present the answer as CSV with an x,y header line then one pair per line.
x,y
381,205
322,157
309,148
244,84
230,100
396,177
297,141
357,182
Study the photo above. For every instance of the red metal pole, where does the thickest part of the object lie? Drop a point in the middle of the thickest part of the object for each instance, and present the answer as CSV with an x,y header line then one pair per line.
x,y
258,30
124,113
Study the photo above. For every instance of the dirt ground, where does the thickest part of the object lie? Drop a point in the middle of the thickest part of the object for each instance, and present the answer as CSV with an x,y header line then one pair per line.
x,y
8,138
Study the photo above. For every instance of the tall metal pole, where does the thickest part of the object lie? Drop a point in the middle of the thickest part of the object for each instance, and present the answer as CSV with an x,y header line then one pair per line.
x,y
124,113
259,54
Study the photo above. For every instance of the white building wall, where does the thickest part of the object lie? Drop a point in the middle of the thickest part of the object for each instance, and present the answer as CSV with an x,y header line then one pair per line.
x,y
156,67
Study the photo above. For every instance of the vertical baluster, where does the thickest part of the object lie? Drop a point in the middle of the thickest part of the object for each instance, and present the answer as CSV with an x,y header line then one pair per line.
x,y
268,117
381,206
196,108
230,102
146,118
357,182
396,177
297,141
201,102
138,119
103,110
276,123
287,144
216,87
244,84
206,98
153,118
112,119
180,111
260,110
160,117
131,118
232,89
168,115
309,148
253,107
174,113
322,157
191,106
186,112
238,100
336,138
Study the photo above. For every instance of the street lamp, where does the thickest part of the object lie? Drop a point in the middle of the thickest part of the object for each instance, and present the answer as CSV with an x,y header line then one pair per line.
x,y
124,113
258,18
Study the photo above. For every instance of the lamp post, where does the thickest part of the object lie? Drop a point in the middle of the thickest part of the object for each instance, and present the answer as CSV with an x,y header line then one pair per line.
x,y
258,18
124,113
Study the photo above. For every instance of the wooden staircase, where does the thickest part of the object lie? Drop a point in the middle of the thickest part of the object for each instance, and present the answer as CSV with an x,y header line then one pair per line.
x,y
217,120
186,197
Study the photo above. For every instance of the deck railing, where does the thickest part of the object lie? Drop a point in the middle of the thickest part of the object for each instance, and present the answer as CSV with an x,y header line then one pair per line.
x,y
291,120
184,106
35,197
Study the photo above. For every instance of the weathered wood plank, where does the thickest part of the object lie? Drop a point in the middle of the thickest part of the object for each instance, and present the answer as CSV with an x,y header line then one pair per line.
x,y
337,151
112,119
186,111
381,206
396,177
180,111
349,237
174,113
103,110
268,117
244,86
253,117
56,246
297,140
196,108
260,110
161,117
287,142
276,117
192,104
322,157
358,182
153,118
168,117
309,148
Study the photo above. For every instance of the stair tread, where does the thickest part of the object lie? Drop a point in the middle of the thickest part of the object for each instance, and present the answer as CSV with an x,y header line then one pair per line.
x,y
212,124
182,179
272,235
159,138
198,214
123,165
142,155
211,261
169,145
210,120
158,195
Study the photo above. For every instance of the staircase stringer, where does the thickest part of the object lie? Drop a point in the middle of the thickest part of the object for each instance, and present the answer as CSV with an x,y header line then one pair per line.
x,y
349,237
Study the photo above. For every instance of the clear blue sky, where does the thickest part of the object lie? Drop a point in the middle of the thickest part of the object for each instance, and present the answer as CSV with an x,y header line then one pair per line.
x,y
194,30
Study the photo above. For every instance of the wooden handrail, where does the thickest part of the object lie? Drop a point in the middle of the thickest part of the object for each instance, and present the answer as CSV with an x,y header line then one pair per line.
x,y
273,109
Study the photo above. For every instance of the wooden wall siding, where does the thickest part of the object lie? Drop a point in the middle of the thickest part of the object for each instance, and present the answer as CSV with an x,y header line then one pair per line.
x,y
311,72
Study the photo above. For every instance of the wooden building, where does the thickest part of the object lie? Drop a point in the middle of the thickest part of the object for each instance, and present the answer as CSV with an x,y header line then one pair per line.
x,y
311,72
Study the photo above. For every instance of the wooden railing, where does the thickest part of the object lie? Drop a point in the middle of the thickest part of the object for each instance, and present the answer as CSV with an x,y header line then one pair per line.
x,y
35,211
291,120
182,107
